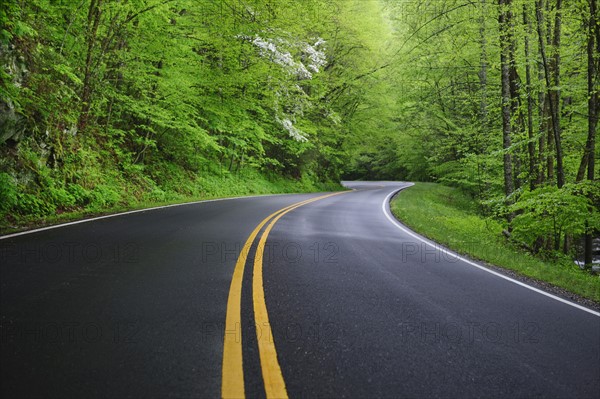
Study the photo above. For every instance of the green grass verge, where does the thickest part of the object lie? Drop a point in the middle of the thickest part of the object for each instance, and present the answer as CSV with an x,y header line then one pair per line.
x,y
129,197
449,217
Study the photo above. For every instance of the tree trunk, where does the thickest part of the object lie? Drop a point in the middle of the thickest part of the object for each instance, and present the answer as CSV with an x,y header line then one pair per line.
x,y
533,170
593,49
518,127
93,22
553,92
505,20
483,105
549,144
483,71
543,127
560,174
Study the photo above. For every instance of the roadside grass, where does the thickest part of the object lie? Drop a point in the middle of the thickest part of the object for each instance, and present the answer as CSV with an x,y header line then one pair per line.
x,y
449,217
130,196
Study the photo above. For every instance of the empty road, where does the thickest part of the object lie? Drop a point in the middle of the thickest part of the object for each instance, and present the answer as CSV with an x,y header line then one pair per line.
x,y
309,295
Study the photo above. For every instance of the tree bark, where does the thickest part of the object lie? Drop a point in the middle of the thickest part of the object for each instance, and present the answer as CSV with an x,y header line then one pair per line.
x,y
518,127
553,92
542,127
94,14
560,173
505,19
593,49
483,71
533,169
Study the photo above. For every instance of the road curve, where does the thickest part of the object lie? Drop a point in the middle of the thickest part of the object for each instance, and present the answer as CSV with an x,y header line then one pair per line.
x,y
136,306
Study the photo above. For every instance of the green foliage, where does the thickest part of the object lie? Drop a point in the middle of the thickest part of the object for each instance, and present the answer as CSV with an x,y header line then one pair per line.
x,y
32,205
80,196
104,196
160,101
11,27
434,113
8,193
59,197
552,212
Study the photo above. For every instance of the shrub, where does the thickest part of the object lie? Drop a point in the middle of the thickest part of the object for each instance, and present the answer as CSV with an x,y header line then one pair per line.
x,y
8,193
104,195
80,195
552,212
31,205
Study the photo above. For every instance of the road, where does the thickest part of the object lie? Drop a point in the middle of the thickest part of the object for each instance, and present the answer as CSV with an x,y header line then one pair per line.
x,y
328,299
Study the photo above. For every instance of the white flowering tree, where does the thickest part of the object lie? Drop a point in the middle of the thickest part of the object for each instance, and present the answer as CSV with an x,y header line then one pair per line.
x,y
291,100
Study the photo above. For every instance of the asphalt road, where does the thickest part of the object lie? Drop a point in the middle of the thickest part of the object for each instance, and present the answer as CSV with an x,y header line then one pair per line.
x,y
136,306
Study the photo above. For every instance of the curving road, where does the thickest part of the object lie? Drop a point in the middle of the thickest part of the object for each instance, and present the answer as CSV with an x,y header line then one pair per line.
x,y
331,298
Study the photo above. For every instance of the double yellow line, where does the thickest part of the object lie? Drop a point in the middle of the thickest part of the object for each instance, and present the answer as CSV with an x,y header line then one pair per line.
x,y
232,383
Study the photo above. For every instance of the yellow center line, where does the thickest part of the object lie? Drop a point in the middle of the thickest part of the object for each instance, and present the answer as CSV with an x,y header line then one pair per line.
x,y
232,383
271,371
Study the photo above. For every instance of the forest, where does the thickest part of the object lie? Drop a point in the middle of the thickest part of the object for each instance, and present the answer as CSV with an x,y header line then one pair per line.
x,y
108,103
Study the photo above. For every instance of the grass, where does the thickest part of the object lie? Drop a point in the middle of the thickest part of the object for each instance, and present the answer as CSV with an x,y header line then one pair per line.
x,y
450,217
194,189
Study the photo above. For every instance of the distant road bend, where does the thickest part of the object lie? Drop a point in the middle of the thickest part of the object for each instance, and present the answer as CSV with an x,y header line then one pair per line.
x,y
308,295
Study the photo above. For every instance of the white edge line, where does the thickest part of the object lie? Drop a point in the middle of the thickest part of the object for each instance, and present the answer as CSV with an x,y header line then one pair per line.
x,y
56,226
384,207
